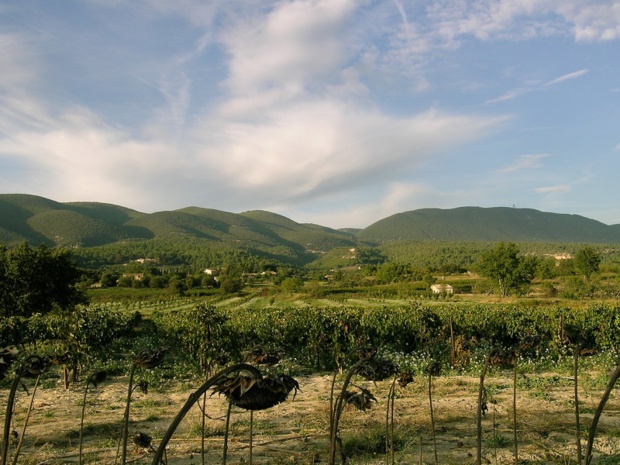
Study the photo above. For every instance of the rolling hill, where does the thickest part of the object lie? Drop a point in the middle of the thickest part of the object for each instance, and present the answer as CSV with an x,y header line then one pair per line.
x,y
88,224
489,224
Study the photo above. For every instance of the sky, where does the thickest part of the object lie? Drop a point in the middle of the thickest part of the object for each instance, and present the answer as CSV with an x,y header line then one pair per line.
x,y
335,112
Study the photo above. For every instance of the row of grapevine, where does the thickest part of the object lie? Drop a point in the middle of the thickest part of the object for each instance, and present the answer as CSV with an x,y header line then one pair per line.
x,y
318,336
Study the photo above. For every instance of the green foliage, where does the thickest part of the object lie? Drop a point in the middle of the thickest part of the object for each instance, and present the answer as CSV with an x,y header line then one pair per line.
x,y
201,332
230,284
84,335
291,285
488,224
392,272
37,280
513,272
587,261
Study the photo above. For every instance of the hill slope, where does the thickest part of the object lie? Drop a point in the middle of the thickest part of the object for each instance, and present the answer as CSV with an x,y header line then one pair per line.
x,y
489,224
86,224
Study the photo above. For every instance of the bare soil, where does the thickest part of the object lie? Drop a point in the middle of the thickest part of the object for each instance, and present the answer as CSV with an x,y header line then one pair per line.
x,y
296,431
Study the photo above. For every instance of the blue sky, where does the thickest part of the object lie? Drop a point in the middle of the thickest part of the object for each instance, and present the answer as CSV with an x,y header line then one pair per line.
x,y
336,112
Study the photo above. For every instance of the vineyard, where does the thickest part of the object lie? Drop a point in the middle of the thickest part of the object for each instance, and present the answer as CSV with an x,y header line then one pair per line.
x,y
374,383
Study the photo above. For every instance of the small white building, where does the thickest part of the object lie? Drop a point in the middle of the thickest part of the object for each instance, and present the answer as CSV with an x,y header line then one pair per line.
x,y
442,289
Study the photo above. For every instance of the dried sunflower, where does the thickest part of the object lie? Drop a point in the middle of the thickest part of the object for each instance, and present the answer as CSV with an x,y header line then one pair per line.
x,y
142,440
361,400
35,366
97,378
7,357
260,356
149,358
404,379
434,369
376,369
502,358
253,393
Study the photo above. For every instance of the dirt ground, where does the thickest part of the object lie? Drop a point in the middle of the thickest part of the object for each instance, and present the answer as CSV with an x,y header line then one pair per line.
x,y
296,431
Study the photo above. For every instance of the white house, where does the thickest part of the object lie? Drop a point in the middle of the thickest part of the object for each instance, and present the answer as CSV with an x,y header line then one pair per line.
x,y
442,288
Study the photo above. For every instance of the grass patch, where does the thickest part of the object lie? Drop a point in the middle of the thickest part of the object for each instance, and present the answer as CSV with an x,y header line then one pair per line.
x,y
371,442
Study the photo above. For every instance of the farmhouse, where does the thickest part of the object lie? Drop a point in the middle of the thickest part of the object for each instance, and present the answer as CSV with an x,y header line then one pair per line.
x,y
134,276
442,288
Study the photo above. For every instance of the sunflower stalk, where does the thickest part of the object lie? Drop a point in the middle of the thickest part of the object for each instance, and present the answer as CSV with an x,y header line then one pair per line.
x,y
21,437
514,408
32,366
389,424
481,392
576,396
193,399
93,379
9,414
433,369
597,414
337,412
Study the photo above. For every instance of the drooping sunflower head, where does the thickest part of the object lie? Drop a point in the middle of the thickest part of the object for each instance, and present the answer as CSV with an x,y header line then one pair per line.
x,y
253,393
376,369
361,399
7,357
150,358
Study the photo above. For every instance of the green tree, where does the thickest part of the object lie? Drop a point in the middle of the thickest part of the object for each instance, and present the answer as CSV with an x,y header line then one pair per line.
x,y
547,268
230,285
108,280
292,284
392,272
587,261
512,271
37,280
314,289
177,286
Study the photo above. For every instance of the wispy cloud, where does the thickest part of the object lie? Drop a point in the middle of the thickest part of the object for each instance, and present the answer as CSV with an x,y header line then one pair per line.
x,y
560,188
525,162
566,77
514,93
257,103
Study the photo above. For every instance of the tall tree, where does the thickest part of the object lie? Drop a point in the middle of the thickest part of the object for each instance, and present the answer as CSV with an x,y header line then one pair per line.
x,y
512,271
36,280
587,261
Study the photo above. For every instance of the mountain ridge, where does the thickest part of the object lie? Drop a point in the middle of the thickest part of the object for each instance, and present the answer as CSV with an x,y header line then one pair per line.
x,y
36,219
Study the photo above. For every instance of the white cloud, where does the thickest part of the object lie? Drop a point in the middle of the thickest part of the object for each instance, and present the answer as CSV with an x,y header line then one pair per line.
x,y
80,157
525,162
536,86
294,43
560,188
348,210
325,146
292,112
566,77
18,61
527,19
511,94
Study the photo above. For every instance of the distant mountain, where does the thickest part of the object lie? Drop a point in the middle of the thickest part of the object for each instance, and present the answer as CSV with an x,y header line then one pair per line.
x,y
489,224
87,224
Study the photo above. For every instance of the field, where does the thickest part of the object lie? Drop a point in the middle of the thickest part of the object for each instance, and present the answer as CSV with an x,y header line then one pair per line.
x,y
296,431
312,335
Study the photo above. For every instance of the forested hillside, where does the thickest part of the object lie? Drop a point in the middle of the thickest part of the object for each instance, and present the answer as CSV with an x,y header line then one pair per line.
x,y
106,234
489,224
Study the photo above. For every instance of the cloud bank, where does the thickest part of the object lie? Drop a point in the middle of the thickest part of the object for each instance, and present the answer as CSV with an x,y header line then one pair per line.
x,y
257,104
